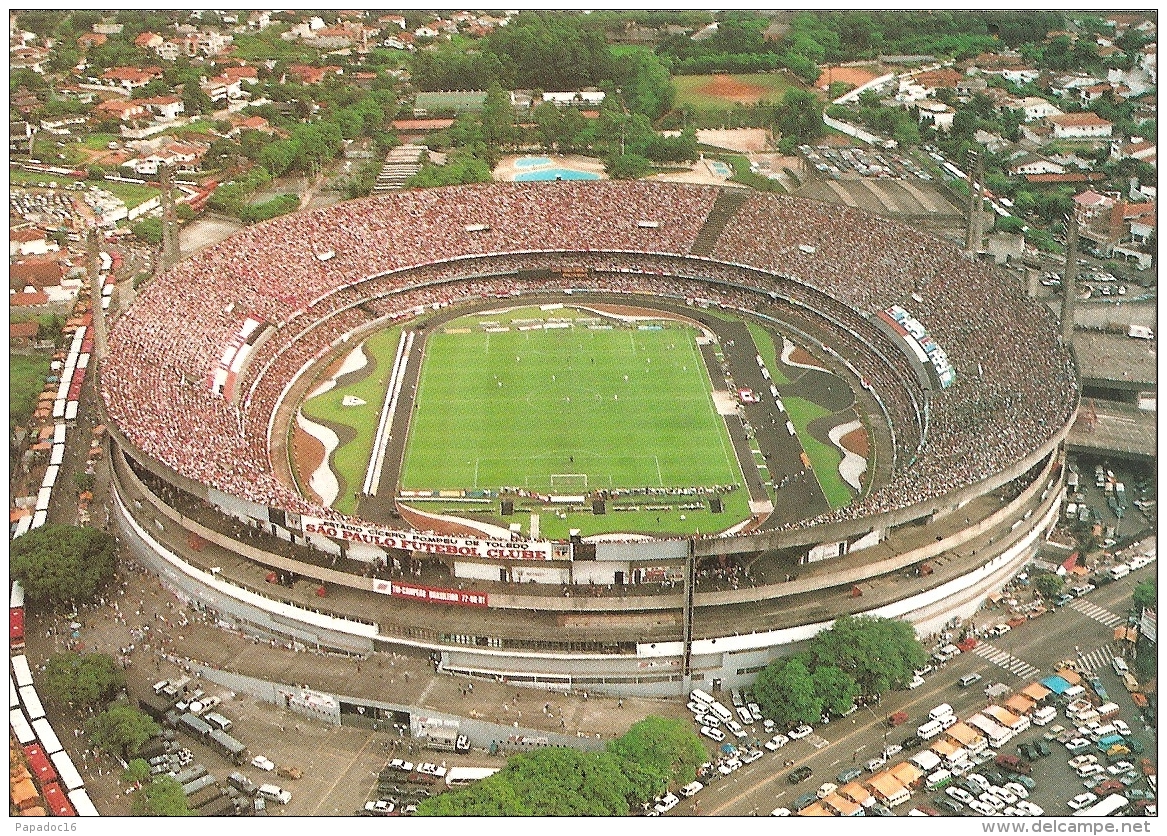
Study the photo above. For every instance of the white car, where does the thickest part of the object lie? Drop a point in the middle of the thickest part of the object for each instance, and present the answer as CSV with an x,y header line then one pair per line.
x,y
695,707
690,790
802,731
780,811
826,789
1004,794
260,762
707,720
916,682
666,802
1029,808
1122,727
1079,761
755,711
777,742
1120,767
768,724
958,794
875,764
736,728
1089,769
981,781
1017,789
432,769
1080,801
893,749
751,756
981,807
713,734
990,800
744,714
400,765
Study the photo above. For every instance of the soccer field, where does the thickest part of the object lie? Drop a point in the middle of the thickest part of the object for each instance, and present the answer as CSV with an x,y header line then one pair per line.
x,y
565,410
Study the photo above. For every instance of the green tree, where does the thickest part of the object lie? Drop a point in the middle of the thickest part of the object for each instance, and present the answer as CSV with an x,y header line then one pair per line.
x,y
785,691
161,797
836,688
1049,585
800,115
1145,595
627,166
82,679
548,124
121,730
880,653
137,772
665,747
62,563
498,119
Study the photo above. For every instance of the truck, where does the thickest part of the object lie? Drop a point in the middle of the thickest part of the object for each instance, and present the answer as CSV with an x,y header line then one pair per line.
x,y
441,739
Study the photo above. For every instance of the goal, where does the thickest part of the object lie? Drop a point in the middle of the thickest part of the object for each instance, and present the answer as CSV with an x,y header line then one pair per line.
x,y
569,481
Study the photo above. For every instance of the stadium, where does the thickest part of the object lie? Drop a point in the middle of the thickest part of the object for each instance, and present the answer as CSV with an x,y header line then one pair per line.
x,y
632,437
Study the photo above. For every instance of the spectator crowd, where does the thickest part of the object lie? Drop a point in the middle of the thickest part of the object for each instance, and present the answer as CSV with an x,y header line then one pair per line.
x,y
312,278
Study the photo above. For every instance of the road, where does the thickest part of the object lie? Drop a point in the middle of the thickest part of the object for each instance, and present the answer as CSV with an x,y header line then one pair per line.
x,y
760,787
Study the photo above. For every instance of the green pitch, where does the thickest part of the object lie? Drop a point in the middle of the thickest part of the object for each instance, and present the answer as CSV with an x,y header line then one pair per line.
x,y
567,411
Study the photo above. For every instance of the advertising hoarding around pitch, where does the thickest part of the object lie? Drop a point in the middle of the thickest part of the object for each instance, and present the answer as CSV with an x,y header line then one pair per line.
x,y
429,543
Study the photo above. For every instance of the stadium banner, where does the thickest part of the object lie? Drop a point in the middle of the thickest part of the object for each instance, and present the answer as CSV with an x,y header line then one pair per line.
x,y
429,543
431,594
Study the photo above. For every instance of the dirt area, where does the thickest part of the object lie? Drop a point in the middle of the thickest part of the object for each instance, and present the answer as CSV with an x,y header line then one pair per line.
x,y
801,355
857,442
746,140
855,76
308,454
728,87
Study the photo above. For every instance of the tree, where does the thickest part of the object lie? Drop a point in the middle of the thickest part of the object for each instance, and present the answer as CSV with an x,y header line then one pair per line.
x,y
498,119
785,691
137,772
1145,595
1048,585
800,115
121,729
62,563
161,797
666,747
82,679
836,688
627,166
549,124
880,653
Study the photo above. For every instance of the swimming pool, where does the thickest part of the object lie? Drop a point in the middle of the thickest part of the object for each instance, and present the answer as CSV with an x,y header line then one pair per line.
x,y
531,162
555,174
718,167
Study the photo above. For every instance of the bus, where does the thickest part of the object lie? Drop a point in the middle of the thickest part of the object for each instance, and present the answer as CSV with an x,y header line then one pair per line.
x,y
697,695
1112,805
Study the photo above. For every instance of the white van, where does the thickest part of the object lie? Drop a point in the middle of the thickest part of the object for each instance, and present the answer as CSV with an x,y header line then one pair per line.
x,y
1119,665
942,710
1045,716
700,696
690,790
1119,571
929,730
938,779
274,793
721,711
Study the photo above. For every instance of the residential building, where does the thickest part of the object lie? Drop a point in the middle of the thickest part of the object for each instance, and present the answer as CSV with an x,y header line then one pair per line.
x,y
1080,126
940,115
29,241
125,111
91,39
1036,108
1021,75
1033,164
312,75
130,78
149,40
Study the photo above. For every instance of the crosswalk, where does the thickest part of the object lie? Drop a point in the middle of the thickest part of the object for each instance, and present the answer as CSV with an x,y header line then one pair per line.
x,y
1095,659
1099,614
1005,660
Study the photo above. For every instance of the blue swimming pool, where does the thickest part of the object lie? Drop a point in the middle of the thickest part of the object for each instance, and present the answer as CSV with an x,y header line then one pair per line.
x,y
555,174
721,168
531,162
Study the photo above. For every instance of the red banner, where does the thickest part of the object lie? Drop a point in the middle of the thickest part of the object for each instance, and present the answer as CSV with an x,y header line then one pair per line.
x,y
431,594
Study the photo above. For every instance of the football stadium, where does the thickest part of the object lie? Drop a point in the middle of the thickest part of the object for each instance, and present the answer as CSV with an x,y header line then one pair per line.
x,y
628,436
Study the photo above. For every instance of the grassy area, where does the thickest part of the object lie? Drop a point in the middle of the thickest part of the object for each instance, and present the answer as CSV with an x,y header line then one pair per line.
x,y
26,379
767,349
352,459
624,408
701,91
742,174
99,142
19,177
131,194
824,458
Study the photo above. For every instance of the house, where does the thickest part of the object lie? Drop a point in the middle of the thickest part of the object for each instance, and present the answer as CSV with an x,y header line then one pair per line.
x,y
20,137
1080,126
1136,147
1020,75
34,275
839,806
1036,692
164,108
28,58
220,88
24,299
1108,221
312,75
169,51
1033,164
256,123
971,85
245,75
149,40
1068,85
1091,94
940,115
125,111
130,78
393,20
1036,108
22,334
91,39
259,20
212,43
29,241
940,79
425,32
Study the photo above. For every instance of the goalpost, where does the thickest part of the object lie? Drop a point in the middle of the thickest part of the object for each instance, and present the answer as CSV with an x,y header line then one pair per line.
x,y
569,482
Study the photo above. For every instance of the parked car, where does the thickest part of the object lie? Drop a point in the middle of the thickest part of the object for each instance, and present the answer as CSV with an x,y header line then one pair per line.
x,y
666,802
1082,800
849,775
712,733
801,732
260,762
777,742
950,806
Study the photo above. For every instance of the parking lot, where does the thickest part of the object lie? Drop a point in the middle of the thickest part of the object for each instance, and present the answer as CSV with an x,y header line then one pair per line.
x,y
1081,632
883,165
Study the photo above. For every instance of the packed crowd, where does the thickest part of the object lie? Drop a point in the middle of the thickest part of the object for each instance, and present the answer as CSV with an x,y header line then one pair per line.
x,y
315,277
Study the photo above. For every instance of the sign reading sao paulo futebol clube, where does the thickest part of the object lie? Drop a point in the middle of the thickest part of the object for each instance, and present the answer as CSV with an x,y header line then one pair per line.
x,y
428,543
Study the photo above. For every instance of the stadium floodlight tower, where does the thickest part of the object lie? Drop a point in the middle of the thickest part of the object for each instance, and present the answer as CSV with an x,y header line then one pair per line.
x,y
1070,279
170,251
976,217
